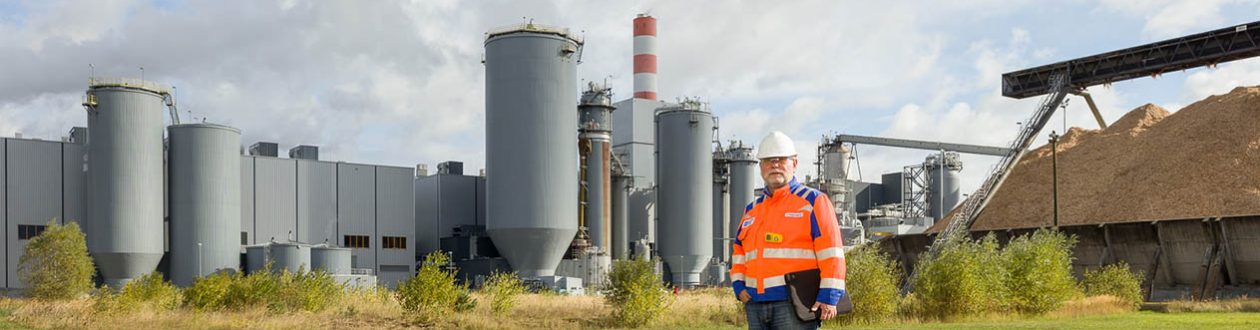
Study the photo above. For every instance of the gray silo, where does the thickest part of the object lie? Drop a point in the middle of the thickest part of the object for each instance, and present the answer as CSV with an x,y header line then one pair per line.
x,y
289,256
334,260
531,158
595,143
125,166
205,197
745,175
720,206
944,191
684,179
620,197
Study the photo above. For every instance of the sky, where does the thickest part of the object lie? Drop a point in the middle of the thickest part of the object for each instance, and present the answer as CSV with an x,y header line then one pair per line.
x,y
401,82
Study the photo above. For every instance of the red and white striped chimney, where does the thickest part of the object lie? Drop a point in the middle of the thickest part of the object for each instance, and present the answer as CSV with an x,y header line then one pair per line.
x,y
645,57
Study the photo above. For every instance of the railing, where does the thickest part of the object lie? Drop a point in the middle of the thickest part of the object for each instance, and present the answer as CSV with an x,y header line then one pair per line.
x,y
129,82
533,27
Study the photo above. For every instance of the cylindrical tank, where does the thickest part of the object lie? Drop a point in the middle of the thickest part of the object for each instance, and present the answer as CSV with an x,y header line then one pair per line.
x,y
531,163
720,207
620,197
684,178
836,161
742,166
595,129
292,257
255,257
205,195
331,259
125,165
944,191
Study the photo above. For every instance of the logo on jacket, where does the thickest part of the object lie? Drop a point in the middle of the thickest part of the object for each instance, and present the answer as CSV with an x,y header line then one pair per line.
x,y
794,214
774,237
746,223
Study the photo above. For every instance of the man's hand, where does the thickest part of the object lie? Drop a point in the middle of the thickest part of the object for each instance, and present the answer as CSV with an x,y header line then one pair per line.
x,y
828,311
744,297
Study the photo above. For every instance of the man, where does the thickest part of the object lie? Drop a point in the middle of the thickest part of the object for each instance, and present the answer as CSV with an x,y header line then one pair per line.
x,y
786,229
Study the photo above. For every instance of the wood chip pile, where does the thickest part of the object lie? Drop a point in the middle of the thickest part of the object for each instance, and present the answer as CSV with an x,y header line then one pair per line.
x,y
1203,161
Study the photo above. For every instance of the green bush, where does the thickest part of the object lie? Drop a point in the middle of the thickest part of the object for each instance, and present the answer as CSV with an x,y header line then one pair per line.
x,y
872,280
503,289
210,292
1115,280
433,291
636,295
965,278
149,291
56,264
1039,268
305,291
284,292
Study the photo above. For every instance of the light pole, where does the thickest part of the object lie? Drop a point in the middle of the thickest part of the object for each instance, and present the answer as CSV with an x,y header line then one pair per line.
x,y
199,261
1054,176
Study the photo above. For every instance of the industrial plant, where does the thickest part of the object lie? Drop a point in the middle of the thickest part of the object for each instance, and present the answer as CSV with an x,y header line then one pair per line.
x,y
576,179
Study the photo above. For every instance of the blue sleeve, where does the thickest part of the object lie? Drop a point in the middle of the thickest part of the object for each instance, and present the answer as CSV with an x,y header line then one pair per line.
x,y
739,286
830,296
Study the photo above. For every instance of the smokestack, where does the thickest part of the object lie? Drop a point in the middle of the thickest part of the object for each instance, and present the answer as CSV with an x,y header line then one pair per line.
x,y
645,57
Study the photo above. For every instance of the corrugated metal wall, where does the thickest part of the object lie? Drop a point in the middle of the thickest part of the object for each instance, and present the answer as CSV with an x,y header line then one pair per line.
x,y
395,216
275,199
316,202
4,202
247,200
33,188
356,214
444,202
75,181
427,233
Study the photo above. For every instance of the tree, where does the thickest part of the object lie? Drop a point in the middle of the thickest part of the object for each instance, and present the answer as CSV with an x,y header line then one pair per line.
x,y
56,264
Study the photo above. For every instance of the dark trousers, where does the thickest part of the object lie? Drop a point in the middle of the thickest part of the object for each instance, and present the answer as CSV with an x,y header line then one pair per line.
x,y
775,315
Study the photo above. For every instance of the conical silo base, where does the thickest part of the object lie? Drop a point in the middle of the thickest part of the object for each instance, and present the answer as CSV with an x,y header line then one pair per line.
x,y
532,252
685,270
119,268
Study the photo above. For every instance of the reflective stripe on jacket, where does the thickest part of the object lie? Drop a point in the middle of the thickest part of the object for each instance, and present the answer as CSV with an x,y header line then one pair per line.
x,y
791,229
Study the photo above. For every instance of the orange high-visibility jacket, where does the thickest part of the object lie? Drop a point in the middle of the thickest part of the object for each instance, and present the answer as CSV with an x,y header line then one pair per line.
x,y
787,230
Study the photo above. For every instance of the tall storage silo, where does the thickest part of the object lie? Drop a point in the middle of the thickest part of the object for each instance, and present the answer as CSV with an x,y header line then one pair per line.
x,y
720,206
595,143
205,195
620,200
531,159
944,191
744,174
125,170
684,179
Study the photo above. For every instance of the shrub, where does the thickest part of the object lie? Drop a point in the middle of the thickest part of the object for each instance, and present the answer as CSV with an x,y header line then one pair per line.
x,y
636,295
871,281
305,291
433,291
503,289
149,291
1115,280
283,292
1039,268
56,264
210,292
964,278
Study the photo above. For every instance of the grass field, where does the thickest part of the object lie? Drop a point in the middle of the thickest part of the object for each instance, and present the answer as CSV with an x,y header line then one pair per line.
x,y
706,309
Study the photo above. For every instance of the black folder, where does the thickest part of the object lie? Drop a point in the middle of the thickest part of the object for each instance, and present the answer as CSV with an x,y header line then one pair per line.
x,y
803,292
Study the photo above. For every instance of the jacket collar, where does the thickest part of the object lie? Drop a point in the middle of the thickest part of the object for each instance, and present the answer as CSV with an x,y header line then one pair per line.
x,y
791,186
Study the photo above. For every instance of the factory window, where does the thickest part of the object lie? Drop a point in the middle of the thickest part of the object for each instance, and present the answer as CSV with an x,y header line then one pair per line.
x,y
356,241
30,231
394,242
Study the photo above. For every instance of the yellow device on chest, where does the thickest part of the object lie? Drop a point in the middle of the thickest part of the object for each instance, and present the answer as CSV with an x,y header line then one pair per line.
x,y
774,237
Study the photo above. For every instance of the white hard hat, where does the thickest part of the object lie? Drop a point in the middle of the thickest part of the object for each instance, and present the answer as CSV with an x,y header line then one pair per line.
x,y
776,144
